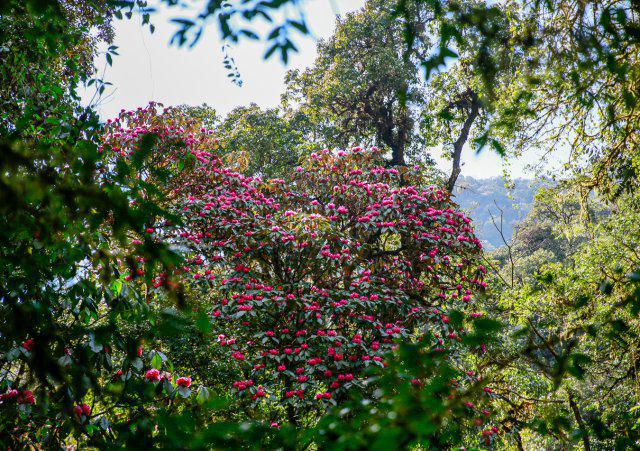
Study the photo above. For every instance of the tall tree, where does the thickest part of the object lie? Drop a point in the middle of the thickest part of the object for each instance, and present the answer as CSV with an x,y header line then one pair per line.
x,y
361,90
367,85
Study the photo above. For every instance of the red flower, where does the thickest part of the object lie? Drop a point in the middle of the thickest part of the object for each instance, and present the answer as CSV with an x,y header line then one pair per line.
x,y
11,394
152,375
183,382
82,409
28,344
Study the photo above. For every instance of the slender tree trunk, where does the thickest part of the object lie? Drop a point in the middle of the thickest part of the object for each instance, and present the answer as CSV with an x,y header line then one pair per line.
x,y
519,441
581,425
473,112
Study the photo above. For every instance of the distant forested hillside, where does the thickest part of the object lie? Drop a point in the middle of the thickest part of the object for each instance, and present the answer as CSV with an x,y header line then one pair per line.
x,y
484,198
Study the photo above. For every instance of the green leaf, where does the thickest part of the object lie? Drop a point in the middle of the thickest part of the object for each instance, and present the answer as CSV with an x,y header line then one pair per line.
x,y
156,361
137,363
95,347
203,395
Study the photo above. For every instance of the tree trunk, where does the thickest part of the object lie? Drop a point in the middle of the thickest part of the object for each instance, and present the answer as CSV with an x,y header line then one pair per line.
x,y
473,107
395,131
397,156
290,409
581,426
519,441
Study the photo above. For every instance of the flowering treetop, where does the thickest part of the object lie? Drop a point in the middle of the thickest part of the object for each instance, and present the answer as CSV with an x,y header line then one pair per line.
x,y
314,278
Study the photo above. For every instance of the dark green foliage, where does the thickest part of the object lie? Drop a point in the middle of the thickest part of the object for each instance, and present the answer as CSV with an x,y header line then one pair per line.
x,y
234,19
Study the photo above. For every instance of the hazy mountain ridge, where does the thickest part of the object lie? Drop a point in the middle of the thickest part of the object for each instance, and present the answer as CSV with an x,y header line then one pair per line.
x,y
484,198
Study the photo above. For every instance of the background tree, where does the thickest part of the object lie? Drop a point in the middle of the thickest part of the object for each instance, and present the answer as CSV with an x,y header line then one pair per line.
x,y
264,142
574,88
367,84
361,90
557,225
491,201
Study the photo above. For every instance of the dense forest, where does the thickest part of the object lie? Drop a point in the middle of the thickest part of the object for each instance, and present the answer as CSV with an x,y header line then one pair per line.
x,y
305,276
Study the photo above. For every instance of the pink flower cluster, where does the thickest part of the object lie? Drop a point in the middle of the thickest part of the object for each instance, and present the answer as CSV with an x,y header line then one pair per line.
x,y
82,410
20,397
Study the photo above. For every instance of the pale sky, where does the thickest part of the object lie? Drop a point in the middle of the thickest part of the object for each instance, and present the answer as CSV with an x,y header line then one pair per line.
x,y
147,68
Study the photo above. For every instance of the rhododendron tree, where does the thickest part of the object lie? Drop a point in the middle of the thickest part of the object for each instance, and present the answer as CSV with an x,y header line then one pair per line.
x,y
312,280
